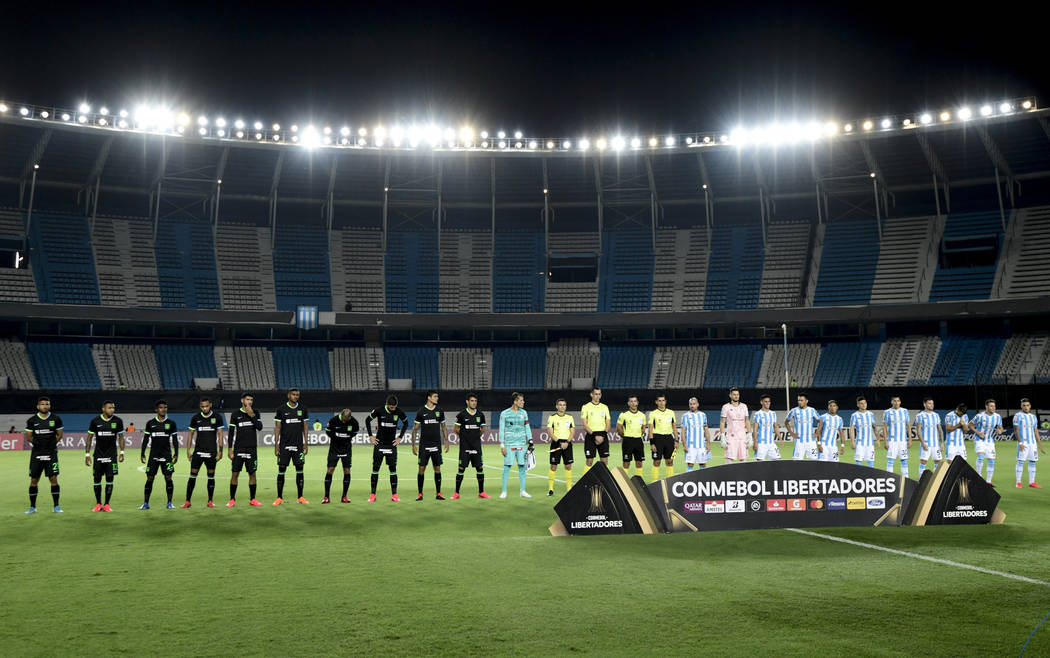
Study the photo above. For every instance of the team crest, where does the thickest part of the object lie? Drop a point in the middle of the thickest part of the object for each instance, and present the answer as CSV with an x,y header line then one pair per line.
x,y
51,423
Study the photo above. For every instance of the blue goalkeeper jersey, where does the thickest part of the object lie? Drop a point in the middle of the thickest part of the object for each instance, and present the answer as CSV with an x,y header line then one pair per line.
x,y
514,430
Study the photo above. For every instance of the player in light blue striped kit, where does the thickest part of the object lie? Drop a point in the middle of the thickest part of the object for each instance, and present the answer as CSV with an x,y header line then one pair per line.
x,y
1028,444
514,438
830,431
986,425
895,435
927,426
955,423
799,424
862,427
695,436
765,423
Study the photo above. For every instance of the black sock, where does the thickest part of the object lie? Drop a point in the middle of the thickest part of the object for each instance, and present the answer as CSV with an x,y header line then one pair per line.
x,y
251,490
54,493
109,489
169,488
327,485
459,480
437,482
147,490
98,491
233,491
300,480
346,484
211,487
32,495
375,480
280,484
419,482
190,484
481,481
393,483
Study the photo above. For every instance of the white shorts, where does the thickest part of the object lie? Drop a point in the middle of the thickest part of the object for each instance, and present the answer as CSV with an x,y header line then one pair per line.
x,y
935,452
830,453
805,450
767,451
956,450
697,455
864,453
897,450
986,448
1028,452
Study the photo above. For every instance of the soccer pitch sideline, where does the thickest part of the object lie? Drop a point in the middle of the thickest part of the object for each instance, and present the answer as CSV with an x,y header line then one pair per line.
x,y
483,577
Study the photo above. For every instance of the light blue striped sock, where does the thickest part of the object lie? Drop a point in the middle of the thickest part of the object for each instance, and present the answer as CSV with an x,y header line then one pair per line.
x,y
980,462
689,467
991,469
1031,472
871,463
904,468
889,464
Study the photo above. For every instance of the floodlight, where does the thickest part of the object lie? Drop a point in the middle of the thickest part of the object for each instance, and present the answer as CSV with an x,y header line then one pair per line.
x,y
484,134
466,133
986,110
276,126
688,140
653,141
965,113
84,108
123,123
258,136
848,128
550,144
618,143
503,144
517,134
238,124
202,120
1027,105
1005,107
104,111
635,142
567,144
24,111
831,129
707,139
45,114
123,114
3,107
344,141
925,118
310,138
203,131
257,125
220,122
344,131
221,132
533,144
362,132
102,121
945,116
65,116
184,119
906,123
601,144
517,144
887,123
669,141
585,144
82,119
240,134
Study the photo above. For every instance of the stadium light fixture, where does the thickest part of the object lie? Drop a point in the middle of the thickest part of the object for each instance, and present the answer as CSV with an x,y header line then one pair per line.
x,y
1005,107
925,119
831,129
986,110
618,143
84,108
503,144
584,144
258,136
239,124
102,121
518,144
689,141
887,123
295,128
240,134
344,131
344,141
276,138
906,123
600,144
180,129
466,134
310,137
707,139
566,144
24,111
501,134
44,114
202,120
123,123
295,138
104,111
946,116
3,108
362,132
636,142
517,134
257,125
872,175
484,134
123,113
848,128
485,144
327,140
550,144
203,131
724,138
654,142
669,141
275,127
221,132
183,119
546,191
965,113
220,122
704,186
65,116
82,118
361,141
1027,104
533,144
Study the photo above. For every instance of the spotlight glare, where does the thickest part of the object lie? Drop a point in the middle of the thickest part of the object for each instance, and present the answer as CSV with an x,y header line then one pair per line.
x,y
1005,107
379,132
203,131
258,136
24,111
104,111
550,144
965,113
82,119
847,128
484,134
220,122
986,110
240,134
239,124
601,144
123,123
310,138
585,144
276,126
344,141
295,127
45,114
501,134
485,144
724,138
1027,105
635,142
65,116
221,132
670,141
3,107
344,131
202,120
533,144
466,134
618,143
327,140
84,108
689,140
567,144
867,125
653,141
831,129
362,131
945,116
257,125
123,114
184,119
503,145
906,123
295,138
707,139
886,123
276,138
379,141
102,121
517,134
925,118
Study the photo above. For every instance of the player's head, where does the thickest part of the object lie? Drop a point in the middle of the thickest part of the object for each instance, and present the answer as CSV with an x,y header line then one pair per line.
x,y
833,407
205,405
432,397
765,401
596,395
802,400
895,402
862,403
472,400
734,394
927,403
247,399
694,404
517,399
989,405
293,395
1026,406
661,402
344,414
161,407
960,408
560,405
43,404
108,408
391,401
632,403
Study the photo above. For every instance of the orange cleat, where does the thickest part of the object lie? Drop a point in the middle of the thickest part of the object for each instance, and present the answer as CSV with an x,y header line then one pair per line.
x,y
395,498
231,503
484,495
455,496
185,505
211,504
254,503
302,501
97,508
439,496
1035,486
419,496
278,502
1018,485
371,498
106,508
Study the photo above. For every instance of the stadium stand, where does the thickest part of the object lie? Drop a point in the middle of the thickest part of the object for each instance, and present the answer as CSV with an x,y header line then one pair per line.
x,y
571,358
226,366
1042,371
254,365
518,368
518,272
61,365
802,362
420,364
906,361
16,285
680,277
134,366
412,273
573,297
352,370
465,368
300,267
626,271
465,272
302,366
625,366
974,233
687,365
246,278
186,265
15,365
965,360
180,363
906,249
1025,268
733,365
786,257
357,270
847,364
1020,359
127,269
63,260
734,272
848,261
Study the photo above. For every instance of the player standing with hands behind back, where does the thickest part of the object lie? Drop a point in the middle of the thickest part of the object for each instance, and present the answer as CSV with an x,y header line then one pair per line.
x,y
107,431
43,432
245,425
291,445
430,427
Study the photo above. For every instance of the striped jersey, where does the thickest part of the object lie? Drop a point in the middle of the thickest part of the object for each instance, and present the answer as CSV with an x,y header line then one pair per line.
x,y
765,423
896,422
1024,427
863,423
928,422
986,423
802,422
829,430
955,438
694,423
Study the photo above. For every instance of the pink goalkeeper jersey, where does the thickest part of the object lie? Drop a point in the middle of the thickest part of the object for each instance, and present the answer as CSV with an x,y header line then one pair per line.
x,y
735,416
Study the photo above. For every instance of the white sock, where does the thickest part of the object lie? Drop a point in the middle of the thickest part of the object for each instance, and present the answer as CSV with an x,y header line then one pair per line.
x,y
1031,472
1019,470
991,469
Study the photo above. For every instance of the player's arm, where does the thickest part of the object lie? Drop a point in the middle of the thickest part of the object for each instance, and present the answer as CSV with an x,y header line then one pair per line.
x,y
820,433
586,425
192,442
87,447
219,443
368,427
120,446
306,442
722,424
147,438
415,435
503,434
444,434
403,421
276,437
232,439
790,427
355,427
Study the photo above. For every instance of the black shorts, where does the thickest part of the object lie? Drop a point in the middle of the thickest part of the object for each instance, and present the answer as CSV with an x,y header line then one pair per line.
x,y
162,464
430,454
662,446
590,447
563,456
248,459
205,459
341,455
470,455
45,465
633,449
384,452
107,468
294,456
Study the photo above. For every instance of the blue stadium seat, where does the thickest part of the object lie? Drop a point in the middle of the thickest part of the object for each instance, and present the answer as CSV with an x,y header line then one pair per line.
x,y
180,363
420,364
847,263
186,266
518,272
965,360
63,365
63,259
734,269
300,267
625,366
519,368
846,364
412,272
304,367
626,271
733,365
962,233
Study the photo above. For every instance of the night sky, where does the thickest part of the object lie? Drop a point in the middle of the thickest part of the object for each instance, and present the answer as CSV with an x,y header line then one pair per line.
x,y
542,68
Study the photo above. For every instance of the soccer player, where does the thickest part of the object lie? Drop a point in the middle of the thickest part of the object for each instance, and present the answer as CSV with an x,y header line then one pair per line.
x,y
341,430
862,433
43,432
631,426
955,423
734,427
470,423
986,425
764,424
561,426
896,436
515,436
661,437
799,424
694,436
431,430
160,443
107,432
290,425
596,420
1028,444
204,448
245,425
927,427
384,442
829,429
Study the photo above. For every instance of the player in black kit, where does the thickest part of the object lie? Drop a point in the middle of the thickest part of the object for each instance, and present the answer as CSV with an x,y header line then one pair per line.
x,y
43,432
384,441
291,446
160,442
107,431
470,423
430,427
341,430
204,448
245,425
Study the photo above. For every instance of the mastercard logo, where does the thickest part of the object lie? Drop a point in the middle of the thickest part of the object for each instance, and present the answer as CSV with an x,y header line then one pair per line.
x,y
816,504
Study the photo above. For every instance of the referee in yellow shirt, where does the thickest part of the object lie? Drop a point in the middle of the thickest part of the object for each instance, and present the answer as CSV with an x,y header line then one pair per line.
x,y
596,420
631,426
661,436
561,428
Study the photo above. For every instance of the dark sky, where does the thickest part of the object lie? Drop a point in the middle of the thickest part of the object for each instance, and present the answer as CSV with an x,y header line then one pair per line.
x,y
548,69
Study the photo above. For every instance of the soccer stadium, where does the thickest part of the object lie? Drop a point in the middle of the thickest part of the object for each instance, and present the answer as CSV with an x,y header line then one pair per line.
x,y
154,254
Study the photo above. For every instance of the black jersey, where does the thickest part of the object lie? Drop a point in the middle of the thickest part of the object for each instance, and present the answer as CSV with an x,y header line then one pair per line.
x,y
207,428
470,425
160,439
340,433
386,421
292,421
44,433
430,422
106,431
244,430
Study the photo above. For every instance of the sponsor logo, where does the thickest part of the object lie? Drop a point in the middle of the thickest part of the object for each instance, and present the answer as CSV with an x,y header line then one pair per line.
x,y
836,503
964,511
714,506
796,504
855,502
755,505
693,507
597,500
775,505
876,502
735,505
51,423
816,503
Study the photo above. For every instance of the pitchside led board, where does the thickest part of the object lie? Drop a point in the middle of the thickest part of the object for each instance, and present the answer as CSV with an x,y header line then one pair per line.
x,y
774,494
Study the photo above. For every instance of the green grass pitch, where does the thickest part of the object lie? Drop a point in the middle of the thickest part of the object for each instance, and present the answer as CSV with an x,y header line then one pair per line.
x,y
483,577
